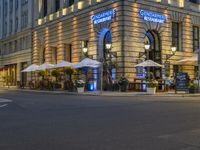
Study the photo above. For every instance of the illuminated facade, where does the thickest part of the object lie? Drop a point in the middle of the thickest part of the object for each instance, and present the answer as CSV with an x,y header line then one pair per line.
x,y
63,28
15,39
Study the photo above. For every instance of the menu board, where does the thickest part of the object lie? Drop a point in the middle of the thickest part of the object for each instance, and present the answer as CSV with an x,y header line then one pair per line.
x,y
182,81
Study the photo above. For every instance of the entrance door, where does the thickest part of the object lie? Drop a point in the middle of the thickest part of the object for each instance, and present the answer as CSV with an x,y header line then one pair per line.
x,y
155,54
23,74
105,56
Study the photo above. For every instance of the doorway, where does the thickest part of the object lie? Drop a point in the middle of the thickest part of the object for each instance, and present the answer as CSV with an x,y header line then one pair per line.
x,y
104,55
155,53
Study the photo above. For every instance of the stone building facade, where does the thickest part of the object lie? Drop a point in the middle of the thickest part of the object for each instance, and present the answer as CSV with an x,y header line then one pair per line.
x,y
63,28
15,39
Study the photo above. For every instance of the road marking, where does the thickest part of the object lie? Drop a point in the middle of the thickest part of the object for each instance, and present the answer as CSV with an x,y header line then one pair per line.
x,y
3,100
4,105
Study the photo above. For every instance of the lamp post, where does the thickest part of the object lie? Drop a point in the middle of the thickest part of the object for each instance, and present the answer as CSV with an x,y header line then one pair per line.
x,y
173,52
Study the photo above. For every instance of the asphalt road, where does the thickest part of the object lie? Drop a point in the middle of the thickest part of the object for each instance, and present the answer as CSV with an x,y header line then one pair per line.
x,y
36,121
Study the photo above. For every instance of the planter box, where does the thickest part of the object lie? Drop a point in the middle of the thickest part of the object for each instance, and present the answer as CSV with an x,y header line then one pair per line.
x,y
151,90
193,91
80,90
123,88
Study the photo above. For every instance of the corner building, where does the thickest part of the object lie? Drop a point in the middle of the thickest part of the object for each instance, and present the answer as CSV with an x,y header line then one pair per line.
x,y
62,28
15,39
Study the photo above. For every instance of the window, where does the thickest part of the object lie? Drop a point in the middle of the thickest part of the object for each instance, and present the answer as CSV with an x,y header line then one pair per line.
x,y
195,38
11,26
70,3
5,29
193,1
16,46
68,52
6,9
45,8
54,55
16,24
57,5
176,35
196,70
16,4
176,69
11,6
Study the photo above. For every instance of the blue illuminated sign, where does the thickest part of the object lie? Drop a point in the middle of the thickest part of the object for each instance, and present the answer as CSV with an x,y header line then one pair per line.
x,y
104,16
152,16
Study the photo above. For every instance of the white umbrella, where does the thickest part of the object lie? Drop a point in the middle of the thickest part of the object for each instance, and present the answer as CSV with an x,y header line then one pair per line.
x,y
87,62
31,68
148,63
45,66
63,64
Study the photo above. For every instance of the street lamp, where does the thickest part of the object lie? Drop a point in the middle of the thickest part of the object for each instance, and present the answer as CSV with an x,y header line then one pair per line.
x,y
173,52
85,51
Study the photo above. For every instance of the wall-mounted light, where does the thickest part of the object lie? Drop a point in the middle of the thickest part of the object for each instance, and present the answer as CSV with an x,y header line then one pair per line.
x,y
108,46
173,52
85,48
147,46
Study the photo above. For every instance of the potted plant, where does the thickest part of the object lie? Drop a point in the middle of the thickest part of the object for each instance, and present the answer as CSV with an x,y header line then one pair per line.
x,y
193,87
80,84
151,86
41,74
56,74
68,83
151,83
123,82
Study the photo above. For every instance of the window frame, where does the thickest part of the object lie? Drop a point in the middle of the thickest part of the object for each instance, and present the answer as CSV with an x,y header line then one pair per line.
x,y
196,39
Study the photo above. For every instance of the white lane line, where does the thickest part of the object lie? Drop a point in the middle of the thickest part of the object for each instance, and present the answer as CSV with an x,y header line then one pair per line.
x,y
3,100
4,105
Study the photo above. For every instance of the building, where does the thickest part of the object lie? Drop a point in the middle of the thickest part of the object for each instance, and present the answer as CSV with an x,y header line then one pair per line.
x,y
118,31
15,39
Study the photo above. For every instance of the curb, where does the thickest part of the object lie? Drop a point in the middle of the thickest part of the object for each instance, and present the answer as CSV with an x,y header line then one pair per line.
x,y
103,94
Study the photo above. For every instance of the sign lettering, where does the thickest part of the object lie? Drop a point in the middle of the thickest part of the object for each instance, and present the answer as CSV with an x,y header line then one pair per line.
x,y
104,16
152,16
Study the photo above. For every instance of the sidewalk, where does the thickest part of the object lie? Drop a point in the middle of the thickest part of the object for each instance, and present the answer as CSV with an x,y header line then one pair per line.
x,y
105,93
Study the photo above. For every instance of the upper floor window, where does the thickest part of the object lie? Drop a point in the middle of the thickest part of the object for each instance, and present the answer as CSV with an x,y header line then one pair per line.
x,y
176,35
11,6
70,2
57,5
45,8
6,9
193,1
16,4
11,26
16,24
196,38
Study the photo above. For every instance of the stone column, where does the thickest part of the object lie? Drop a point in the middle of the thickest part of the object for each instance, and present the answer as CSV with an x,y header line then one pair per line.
x,y
18,72
60,52
48,53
